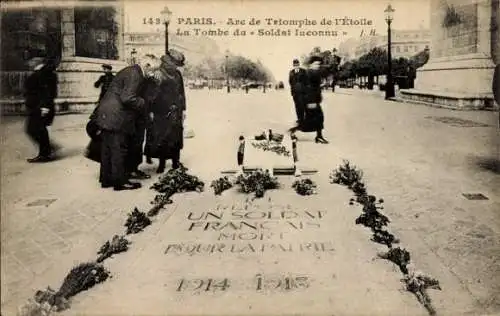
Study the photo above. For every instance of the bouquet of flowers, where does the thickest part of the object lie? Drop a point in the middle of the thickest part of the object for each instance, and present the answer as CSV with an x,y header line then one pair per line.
x,y
384,237
346,175
418,283
136,222
399,256
274,147
177,181
304,187
159,202
220,185
80,278
118,244
258,181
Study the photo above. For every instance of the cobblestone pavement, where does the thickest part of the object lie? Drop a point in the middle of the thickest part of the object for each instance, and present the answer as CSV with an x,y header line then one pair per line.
x,y
419,159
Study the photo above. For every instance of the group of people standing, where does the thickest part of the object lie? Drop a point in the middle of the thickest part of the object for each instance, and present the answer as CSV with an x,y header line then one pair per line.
x,y
305,86
147,96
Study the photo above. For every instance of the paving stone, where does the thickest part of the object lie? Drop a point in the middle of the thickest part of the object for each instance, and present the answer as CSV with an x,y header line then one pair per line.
x,y
12,270
29,257
83,222
42,236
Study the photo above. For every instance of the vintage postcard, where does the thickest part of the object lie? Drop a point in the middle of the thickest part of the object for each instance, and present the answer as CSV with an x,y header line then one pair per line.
x,y
250,157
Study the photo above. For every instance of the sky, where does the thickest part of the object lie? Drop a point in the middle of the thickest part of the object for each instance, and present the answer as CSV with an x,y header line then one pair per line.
x,y
277,52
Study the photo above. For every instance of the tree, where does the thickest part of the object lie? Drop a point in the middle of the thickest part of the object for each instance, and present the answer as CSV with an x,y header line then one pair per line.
x,y
374,63
241,68
329,61
347,70
235,66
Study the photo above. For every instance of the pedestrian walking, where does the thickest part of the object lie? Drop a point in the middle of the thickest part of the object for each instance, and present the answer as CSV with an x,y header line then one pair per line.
x,y
116,118
40,93
105,80
165,137
313,118
496,88
297,79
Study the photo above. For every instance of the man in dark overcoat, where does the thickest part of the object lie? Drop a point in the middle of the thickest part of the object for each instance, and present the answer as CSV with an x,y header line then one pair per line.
x,y
105,80
496,88
40,93
134,157
116,117
297,79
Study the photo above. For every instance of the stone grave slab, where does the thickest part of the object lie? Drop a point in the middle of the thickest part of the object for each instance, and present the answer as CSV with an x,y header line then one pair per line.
x,y
258,158
231,255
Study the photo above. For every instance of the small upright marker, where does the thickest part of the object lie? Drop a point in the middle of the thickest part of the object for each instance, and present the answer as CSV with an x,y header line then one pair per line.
x,y
241,152
298,173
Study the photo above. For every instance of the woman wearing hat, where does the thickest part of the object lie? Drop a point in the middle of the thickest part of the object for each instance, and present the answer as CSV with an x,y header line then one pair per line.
x,y
313,118
164,138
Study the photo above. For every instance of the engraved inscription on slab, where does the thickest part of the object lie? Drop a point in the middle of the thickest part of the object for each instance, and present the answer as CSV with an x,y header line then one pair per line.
x,y
250,231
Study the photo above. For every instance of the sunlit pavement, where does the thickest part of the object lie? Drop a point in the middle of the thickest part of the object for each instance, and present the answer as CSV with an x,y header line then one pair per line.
x,y
419,160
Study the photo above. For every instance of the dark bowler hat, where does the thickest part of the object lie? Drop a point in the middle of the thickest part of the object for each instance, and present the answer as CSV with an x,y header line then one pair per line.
x,y
107,66
296,62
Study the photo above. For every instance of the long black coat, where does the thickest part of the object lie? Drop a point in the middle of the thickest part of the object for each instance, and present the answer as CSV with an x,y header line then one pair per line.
x,y
297,81
168,102
314,118
40,91
118,109
496,84
496,88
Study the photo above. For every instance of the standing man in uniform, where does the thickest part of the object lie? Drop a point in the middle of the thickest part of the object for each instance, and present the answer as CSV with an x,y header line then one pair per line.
x,y
297,79
40,93
116,117
104,81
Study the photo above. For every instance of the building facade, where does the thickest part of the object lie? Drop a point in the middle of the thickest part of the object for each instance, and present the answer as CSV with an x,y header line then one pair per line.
x,y
194,48
79,36
465,49
404,43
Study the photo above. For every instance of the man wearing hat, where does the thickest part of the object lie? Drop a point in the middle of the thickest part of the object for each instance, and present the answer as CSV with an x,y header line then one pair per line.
x,y
40,93
165,137
116,117
105,80
297,79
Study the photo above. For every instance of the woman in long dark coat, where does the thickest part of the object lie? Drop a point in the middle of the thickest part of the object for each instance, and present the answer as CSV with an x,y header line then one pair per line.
x,y
314,117
164,138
